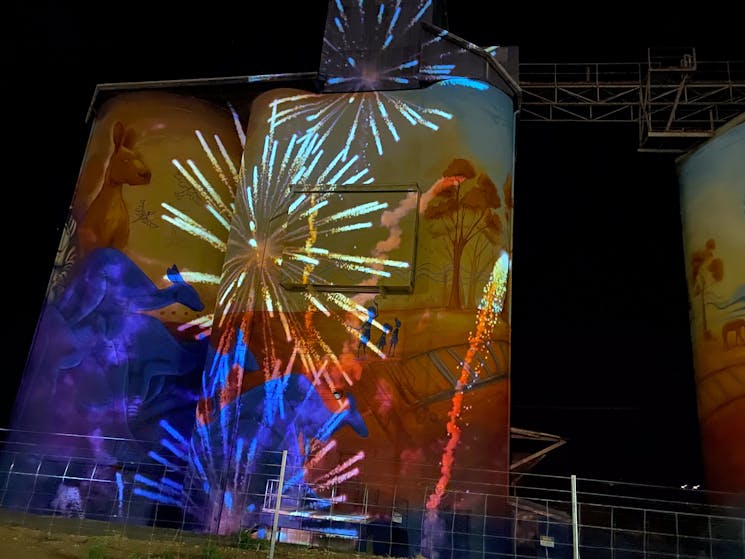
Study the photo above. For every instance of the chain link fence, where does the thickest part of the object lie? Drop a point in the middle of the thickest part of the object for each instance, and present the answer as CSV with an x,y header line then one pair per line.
x,y
535,516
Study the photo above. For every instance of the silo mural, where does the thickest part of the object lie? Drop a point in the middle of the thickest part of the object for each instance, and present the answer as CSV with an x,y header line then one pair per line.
x,y
121,340
323,272
380,294
712,181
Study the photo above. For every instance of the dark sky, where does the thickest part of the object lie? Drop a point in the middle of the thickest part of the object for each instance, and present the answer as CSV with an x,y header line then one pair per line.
x,y
601,349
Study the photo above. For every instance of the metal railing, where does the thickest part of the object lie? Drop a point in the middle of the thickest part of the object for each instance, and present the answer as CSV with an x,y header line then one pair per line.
x,y
378,511
674,104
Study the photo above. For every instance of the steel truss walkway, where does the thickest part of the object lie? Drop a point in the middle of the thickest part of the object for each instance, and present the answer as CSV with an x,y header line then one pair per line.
x,y
676,100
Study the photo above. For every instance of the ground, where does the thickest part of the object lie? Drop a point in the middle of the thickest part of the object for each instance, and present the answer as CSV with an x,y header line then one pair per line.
x,y
40,537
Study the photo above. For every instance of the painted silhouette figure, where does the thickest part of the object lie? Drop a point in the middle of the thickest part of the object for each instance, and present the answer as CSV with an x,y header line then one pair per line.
x,y
383,340
394,337
366,330
106,222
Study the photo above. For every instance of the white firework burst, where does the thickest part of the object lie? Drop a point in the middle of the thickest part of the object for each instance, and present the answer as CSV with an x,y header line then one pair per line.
x,y
284,258
375,116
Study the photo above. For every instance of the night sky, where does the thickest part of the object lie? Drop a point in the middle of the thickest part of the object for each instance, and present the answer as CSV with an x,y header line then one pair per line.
x,y
601,347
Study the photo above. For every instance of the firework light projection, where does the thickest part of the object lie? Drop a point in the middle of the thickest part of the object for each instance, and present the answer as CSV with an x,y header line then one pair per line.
x,y
392,45
235,457
487,317
281,264
282,219
310,239
375,116
219,475
369,48
281,258
373,46
219,208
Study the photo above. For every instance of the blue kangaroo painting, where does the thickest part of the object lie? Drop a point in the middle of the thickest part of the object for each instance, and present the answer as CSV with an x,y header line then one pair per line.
x,y
103,370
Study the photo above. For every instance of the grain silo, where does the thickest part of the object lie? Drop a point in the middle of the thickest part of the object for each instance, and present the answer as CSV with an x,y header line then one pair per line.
x,y
712,186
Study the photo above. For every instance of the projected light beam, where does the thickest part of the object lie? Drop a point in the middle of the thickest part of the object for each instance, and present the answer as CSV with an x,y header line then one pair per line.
x,y
492,302
359,113
274,240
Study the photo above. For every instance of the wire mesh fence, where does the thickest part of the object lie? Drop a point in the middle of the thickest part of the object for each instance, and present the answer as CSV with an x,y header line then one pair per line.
x,y
476,514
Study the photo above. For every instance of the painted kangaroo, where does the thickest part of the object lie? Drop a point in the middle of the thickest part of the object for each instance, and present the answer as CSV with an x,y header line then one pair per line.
x,y
106,299
99,366
109,281
106,223
94,347
738,327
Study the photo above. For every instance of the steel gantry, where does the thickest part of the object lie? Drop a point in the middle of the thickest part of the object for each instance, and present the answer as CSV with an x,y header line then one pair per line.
x,y
676,100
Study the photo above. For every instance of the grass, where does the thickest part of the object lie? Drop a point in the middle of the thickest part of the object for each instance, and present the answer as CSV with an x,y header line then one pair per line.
x,y
96,549
36,537
211,551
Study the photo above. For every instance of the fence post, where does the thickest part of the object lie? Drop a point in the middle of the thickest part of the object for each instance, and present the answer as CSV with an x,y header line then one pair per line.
x,y
7,479
277,504
575,522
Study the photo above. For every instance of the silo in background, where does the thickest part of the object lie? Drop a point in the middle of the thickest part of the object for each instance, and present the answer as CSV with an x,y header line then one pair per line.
x,y
712,195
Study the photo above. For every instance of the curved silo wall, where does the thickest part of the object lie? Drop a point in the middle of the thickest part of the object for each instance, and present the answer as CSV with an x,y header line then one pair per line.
x,y
121,340
367,268
712,187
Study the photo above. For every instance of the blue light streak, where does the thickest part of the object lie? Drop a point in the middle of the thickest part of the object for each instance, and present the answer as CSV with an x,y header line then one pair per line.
x,y
392,24
173,432
119,490
156,497
169,482
465,82
176,451
419,14
158,458
328,428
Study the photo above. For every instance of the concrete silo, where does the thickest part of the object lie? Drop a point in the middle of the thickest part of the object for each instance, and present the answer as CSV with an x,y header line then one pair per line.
x,y
712,194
